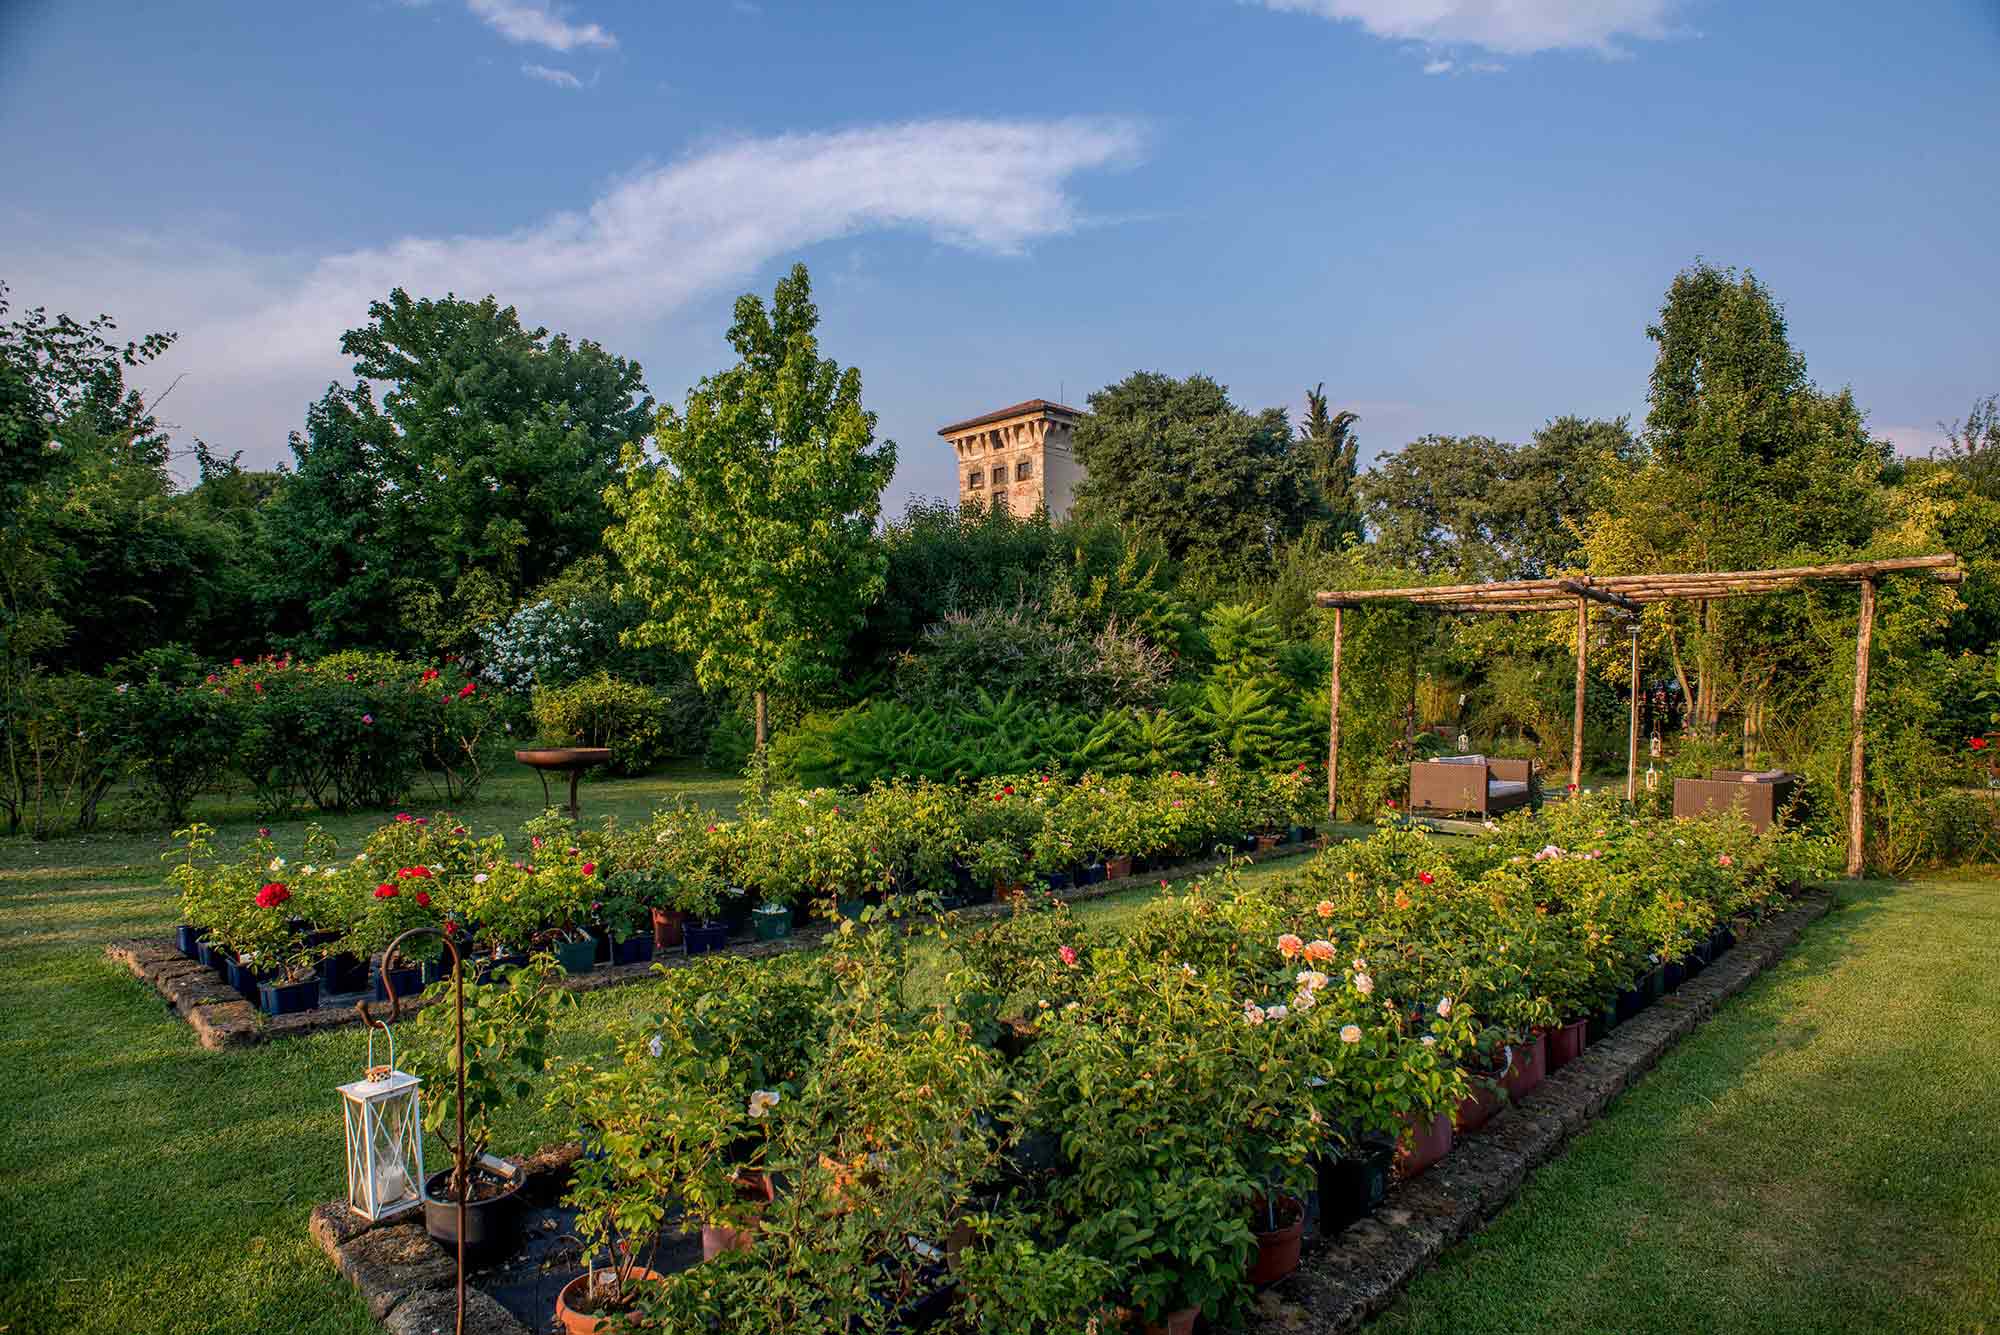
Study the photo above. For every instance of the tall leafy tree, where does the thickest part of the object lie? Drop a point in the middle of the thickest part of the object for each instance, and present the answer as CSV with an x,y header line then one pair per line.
x,y
501,440
750,538
1176,459
1328,448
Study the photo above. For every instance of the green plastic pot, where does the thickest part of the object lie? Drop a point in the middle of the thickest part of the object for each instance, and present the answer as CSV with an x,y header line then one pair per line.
x,y
577,956
771,921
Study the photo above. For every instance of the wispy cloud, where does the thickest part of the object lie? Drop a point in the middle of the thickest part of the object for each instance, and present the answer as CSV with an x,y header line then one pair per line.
x,y
536,23
1910,440
260,333
1511,27
560,78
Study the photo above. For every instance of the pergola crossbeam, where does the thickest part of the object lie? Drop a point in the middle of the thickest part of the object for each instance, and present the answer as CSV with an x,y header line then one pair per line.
x,y
1628,594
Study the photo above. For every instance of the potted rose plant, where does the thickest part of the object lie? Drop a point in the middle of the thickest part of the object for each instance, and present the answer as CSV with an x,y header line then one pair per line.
x,y
508,1020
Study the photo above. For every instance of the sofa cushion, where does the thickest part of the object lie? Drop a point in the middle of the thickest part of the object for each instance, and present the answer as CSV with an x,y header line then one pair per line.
x,y
1459,760
1505,787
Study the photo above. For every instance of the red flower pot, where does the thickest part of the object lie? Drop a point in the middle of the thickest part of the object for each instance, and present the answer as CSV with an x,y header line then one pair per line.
x,y
1423,1145
1278,1250
1115,868
1266,842
1566,1044
1177,1323
1530,1064
1475,1108
572,1322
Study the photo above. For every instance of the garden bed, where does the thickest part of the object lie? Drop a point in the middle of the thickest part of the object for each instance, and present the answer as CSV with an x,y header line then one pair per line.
x,y
1358,1271
223,1018
407,1279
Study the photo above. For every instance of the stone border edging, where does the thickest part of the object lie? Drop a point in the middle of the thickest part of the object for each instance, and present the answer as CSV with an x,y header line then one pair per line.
x,y
221,1018
1359,1272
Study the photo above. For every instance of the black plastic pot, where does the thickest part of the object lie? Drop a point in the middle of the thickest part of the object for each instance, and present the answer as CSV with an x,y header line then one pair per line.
x,y
288,998
704,937
244,978
1058,880
1351,1184
341,974
1725,938
1677,973
492,1225
736,907
408,983
1246,843
1633,1000
1297,834
602,937
633,949
187,939
1091,873
213,956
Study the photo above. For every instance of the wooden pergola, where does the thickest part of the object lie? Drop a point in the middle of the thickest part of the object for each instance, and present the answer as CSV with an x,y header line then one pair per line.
x,y
1626,595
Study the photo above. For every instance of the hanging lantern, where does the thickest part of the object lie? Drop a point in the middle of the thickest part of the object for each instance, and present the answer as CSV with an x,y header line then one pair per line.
x,y
1652,778
1464,743
1653,747
385,1138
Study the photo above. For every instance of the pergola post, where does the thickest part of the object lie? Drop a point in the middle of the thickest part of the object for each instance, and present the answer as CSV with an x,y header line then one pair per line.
x,y
1632,734
1333,727
1582,663
1863,636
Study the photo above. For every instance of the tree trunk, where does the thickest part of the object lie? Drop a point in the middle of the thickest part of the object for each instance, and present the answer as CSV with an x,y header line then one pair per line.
x,y
762,718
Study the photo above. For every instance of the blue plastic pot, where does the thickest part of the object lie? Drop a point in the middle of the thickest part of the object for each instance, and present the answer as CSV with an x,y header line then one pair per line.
x,y
288,998
187,939
705,937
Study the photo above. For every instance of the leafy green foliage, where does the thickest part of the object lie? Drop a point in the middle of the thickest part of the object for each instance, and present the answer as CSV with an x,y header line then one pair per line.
x,y
601,710
750,539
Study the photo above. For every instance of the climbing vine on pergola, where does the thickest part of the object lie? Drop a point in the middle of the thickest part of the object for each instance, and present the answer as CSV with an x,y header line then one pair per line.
x,y
1625,595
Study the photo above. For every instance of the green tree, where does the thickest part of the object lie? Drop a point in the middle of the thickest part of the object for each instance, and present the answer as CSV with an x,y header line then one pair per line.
x,y
1175,459
1328,448
750,539
500,440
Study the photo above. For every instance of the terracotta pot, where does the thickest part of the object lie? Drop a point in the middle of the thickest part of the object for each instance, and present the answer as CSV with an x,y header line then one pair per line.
x,y
717,1239
1565,1045
667,924
573,1322
1266,842
1177,1323
1114,868
1530,1065
1278,1250
1423,1145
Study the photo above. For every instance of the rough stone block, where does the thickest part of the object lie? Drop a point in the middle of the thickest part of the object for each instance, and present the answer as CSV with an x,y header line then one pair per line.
x,y
435,1312
390,1261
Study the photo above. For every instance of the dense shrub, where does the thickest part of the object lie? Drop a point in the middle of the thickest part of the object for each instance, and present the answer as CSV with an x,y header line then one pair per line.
x,y
177,732
997,650
601,710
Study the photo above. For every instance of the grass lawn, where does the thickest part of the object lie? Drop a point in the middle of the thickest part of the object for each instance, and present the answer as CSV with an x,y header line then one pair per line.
x,y
1822,1157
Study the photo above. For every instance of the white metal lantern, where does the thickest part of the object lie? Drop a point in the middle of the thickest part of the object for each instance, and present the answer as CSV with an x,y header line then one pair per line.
x,y
1652,780
385,1138
1464,743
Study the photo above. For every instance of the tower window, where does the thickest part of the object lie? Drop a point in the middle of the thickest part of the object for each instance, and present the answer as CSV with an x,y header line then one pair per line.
x,y
976,478
1024,470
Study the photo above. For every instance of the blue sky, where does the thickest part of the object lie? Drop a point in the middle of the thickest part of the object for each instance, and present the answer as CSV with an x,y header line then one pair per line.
x,y
1459,214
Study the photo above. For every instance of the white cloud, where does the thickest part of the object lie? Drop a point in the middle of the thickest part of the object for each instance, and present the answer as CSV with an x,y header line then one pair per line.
x,y
1437,67
260,332
560,78
1512,27
534,23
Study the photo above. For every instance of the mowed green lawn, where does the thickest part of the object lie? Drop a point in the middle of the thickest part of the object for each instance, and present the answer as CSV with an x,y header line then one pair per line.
x,y
1821,1157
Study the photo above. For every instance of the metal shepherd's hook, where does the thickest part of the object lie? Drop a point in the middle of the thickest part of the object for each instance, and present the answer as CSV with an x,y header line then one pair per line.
x,y
461,1169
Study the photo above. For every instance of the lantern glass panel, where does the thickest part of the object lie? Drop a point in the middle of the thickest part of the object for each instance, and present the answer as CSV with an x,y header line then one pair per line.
x,y
385,1144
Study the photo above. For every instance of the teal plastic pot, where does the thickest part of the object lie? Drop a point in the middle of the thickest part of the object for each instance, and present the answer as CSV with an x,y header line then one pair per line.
x,y
577,956
771,921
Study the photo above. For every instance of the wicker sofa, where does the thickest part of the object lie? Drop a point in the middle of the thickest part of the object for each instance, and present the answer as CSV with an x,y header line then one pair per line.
x,y
1470,785
1763,796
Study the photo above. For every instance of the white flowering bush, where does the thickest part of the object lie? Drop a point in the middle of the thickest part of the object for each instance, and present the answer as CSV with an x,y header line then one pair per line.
x,y
543,644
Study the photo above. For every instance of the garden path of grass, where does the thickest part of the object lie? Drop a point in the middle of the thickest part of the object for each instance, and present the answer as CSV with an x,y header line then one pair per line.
x,y
149,1185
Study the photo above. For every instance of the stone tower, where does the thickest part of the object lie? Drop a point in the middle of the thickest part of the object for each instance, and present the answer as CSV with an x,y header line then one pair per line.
x,y
1018,457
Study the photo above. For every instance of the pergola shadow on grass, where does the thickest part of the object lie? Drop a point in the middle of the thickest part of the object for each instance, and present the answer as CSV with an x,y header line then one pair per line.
x,y
1626,595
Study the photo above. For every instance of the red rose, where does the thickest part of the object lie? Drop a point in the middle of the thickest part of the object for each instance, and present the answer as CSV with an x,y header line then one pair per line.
x,y
1977,743
423,900
273,895
1425,877
403,817
430,674
386,891
236,662
1009,790
419,873
590,869
257,686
